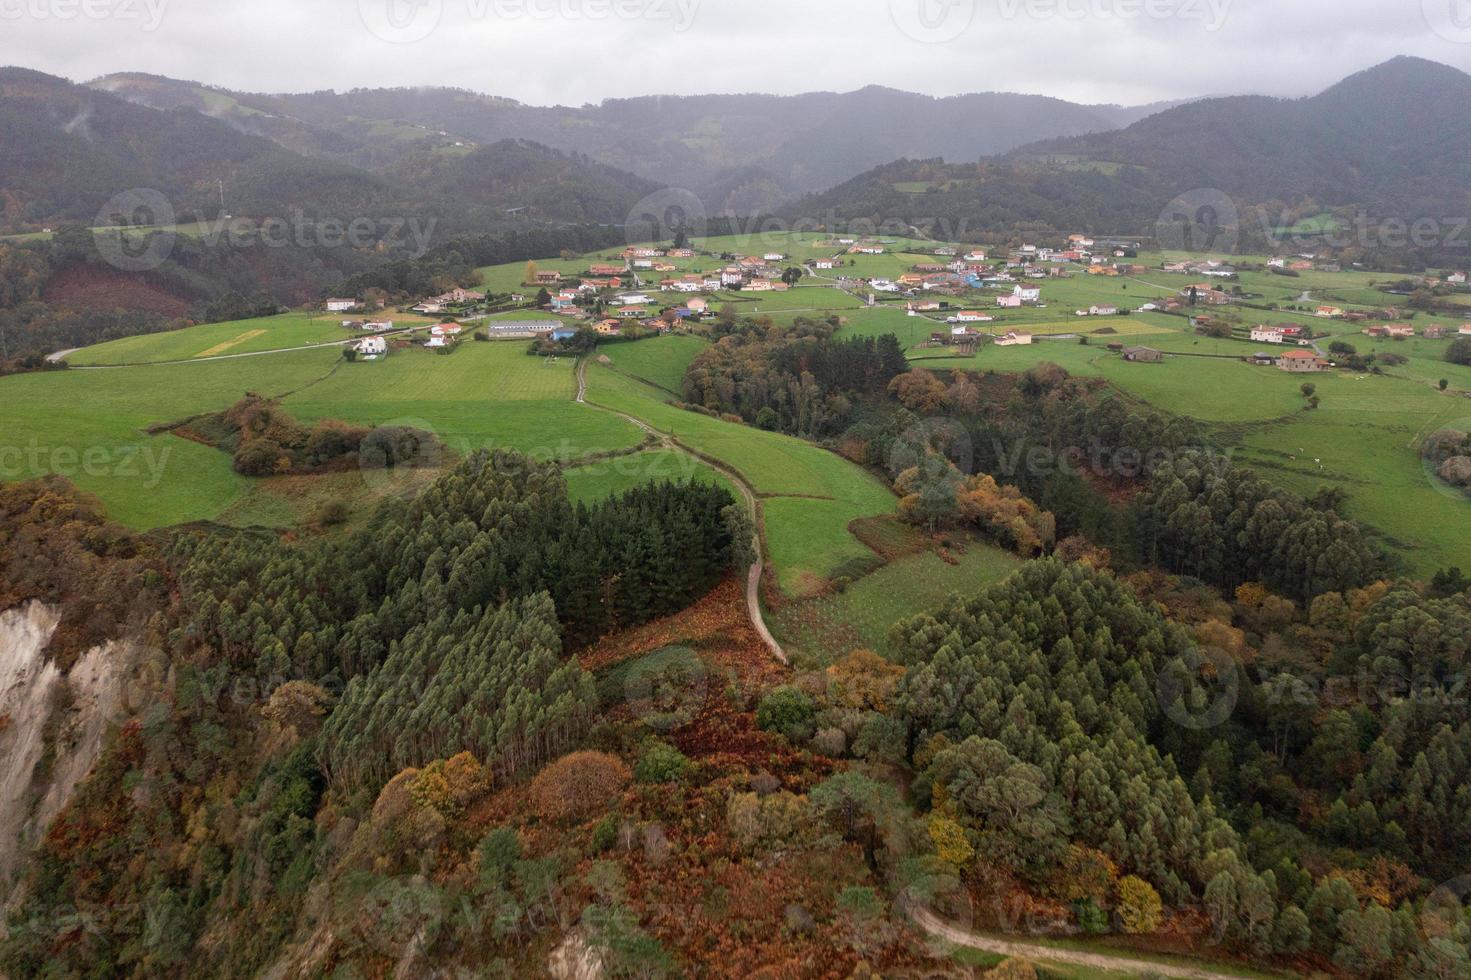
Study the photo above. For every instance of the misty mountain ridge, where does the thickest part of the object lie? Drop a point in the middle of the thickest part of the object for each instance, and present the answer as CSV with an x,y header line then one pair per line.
x,y
740,153
1388,141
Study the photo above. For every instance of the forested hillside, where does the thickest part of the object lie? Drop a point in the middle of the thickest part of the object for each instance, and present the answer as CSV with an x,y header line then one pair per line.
x,y
66,150
1385,144
752,151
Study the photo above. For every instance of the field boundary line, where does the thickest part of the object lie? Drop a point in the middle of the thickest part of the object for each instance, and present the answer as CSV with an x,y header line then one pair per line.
x,y
758,567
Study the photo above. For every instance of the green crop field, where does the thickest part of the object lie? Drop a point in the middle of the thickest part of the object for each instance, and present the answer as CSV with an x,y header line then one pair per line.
x,y
482,396
605,478
221,339
89,425
818,630
659,360
809,495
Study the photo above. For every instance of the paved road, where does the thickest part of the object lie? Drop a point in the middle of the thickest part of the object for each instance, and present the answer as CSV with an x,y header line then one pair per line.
x,y
935,926
753,576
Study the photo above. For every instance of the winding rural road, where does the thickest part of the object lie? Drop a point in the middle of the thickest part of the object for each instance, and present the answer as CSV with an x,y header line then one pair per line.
x,y
753,576
939,928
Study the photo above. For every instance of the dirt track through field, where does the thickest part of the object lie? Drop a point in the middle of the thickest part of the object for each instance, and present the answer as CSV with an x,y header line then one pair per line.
x,y
753,576
935,926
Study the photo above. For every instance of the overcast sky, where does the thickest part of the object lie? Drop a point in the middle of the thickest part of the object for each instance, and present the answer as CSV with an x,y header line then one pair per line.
x,y
577,51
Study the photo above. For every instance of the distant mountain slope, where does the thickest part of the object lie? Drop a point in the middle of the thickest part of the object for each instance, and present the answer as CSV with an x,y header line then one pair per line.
x,y
65,150
1391,140
712,144
1394,136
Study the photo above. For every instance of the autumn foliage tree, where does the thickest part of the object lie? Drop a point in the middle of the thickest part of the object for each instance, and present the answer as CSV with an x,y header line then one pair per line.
x,y
578,786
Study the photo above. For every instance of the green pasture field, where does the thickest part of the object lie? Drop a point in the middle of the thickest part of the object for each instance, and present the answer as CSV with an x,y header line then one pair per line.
x,y
820,629
481,396
604,478
1365,439
89,425
659,360
235,337
809,496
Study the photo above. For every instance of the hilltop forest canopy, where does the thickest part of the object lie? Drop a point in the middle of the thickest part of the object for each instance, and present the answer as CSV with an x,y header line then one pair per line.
x,y
445,627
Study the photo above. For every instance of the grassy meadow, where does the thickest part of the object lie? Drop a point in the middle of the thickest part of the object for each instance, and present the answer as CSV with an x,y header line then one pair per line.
x,y
90,426
221,339
481,396
808,495
1363,437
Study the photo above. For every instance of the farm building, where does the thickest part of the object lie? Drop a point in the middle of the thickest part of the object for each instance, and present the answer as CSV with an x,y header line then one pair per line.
x,y
1266,335
341,305
1301,362
1014,339
1143,355
517,329
372,347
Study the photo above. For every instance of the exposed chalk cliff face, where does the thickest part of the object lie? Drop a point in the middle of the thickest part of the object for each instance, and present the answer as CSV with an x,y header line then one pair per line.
x,y
52,726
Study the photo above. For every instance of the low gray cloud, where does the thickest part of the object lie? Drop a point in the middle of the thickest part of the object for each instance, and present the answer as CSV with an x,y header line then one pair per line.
x,y
576,51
